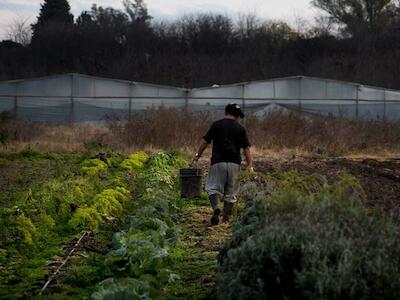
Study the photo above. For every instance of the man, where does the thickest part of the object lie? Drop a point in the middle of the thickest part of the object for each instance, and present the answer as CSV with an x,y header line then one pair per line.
x,y
228,138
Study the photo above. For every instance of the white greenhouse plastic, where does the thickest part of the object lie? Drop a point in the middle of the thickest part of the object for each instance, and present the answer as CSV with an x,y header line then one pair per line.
x,y
80,98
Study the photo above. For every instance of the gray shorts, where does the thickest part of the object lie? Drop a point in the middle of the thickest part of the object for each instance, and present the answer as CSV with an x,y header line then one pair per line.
x,y
222,180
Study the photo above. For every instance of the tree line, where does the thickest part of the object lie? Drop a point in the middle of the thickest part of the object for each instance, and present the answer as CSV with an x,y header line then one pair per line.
x,y
355,40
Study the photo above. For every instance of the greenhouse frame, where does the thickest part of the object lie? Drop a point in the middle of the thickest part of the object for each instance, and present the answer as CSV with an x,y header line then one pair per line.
x,y
76,98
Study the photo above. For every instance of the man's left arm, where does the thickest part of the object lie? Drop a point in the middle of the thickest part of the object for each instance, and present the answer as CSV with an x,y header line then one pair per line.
x,y
247,151
249,158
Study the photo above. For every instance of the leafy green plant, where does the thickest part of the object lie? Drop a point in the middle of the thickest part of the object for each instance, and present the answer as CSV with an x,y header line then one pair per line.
x,y
86,218
141,251
93,166
44,213
27,229
122,288
314,241
321,152
47,214
135,161
105,204
30,153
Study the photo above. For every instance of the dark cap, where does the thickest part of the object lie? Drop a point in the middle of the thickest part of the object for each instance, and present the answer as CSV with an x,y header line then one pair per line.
x,y
234,109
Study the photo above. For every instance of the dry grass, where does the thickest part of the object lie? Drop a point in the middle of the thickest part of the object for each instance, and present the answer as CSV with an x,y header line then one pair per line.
x,y
164,128
334,135
44,138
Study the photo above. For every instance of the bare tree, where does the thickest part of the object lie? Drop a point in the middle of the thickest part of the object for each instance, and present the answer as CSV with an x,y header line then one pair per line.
x,y
248,24
19,31
137,11
358,15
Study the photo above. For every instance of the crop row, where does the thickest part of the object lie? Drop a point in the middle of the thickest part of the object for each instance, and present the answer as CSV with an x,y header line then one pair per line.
x,y
302,238
140,256
94,192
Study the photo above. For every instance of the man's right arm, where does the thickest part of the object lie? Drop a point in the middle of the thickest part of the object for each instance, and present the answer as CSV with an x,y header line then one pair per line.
x,y
207,139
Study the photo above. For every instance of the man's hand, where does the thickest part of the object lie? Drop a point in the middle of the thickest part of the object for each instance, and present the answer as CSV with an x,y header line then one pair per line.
x,y
196,157
194,160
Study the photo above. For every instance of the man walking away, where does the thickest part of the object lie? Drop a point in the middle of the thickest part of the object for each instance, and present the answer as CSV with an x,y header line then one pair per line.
x,y
228,138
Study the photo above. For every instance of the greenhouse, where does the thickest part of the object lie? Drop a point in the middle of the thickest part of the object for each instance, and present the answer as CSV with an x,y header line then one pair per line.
x,y
80,98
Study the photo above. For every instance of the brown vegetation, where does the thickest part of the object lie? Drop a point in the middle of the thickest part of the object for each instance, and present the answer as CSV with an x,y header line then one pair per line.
x,y
166,128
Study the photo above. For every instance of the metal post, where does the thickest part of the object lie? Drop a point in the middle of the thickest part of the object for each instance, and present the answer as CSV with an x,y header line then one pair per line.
x,y
274,89
243,100
16,102
357,101
71,111
384,104
326,89
300,93
130,101
186,100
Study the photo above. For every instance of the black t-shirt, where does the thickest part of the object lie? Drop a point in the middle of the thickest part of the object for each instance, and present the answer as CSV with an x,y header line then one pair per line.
x,y
228,137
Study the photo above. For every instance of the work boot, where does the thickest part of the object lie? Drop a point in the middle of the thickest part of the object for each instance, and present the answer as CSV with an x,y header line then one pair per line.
x,y
215,199
228,208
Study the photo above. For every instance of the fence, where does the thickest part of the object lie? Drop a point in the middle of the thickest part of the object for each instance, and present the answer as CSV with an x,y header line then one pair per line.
x,y
75,98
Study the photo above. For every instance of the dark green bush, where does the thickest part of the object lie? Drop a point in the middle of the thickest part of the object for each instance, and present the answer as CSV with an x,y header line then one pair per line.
x,y
319,243
5,130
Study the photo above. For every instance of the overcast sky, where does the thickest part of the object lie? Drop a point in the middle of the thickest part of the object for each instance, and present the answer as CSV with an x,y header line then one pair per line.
x,y
289,10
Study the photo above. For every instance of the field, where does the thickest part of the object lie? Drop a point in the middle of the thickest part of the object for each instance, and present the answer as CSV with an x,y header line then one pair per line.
x,y
95,217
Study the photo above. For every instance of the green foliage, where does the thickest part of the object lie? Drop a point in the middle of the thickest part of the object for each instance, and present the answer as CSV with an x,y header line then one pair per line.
x,y
321,152
93,145
57,196
47,214
135,161
310,241
41,214
141,252
27,230
85,218
93,166
122,289
46,223
30,153
108,203
5,128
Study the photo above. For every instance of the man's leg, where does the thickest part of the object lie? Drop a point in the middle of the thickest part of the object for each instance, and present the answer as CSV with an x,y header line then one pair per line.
x,y
231,190
215,199
215,189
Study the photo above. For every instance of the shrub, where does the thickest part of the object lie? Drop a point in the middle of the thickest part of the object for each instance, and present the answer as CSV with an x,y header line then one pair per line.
x,y
27,229
311,244
134,161
93,166
5,127
105,204
86,217
110,201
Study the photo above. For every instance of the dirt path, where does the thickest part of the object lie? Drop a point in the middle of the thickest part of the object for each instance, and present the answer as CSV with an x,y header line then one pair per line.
x,y
197,266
